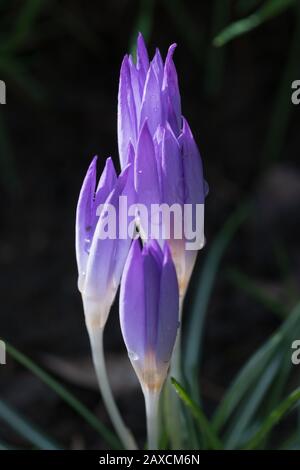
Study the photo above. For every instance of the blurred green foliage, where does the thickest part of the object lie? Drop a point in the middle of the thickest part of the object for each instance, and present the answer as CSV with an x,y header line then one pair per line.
x,y
267,11
65,395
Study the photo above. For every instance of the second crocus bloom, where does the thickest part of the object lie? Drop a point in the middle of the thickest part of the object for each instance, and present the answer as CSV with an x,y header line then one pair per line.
x,y
149,316
100,260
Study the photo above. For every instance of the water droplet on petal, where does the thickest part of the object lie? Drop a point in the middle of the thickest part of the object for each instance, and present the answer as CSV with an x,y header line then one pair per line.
x,y
179,324
133,356
87,245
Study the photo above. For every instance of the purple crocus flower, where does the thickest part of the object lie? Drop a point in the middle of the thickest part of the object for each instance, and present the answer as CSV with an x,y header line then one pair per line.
x,y
100,260
167,164
149,312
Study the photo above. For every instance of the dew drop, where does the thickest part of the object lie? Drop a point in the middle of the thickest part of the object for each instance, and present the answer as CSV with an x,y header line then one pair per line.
x,y
178,324
133,356
87,245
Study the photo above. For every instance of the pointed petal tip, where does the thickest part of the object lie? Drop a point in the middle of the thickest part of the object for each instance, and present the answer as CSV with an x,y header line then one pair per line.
x,y
125,59
186,128
124,70
124,66
109,167
144,128
93,164
172,48
142,54
140,37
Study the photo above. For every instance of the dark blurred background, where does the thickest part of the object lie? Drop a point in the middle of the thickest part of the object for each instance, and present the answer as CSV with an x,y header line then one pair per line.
x,y
60,61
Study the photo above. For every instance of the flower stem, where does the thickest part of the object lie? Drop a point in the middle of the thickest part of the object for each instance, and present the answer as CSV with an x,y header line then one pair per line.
x,y
152,402
172,402
96,340
175,369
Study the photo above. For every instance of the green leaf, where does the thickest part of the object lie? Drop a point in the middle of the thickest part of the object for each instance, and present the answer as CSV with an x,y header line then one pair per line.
x,y
267,11
253,400
277,414
255,368
65,395
208,433
25,428
204,289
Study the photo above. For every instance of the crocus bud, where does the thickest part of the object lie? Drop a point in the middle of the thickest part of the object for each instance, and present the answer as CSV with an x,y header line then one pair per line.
x,y
167,164
100,259
149,312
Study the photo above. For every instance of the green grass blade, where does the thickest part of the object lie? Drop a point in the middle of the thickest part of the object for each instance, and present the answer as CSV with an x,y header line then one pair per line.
x,y
281,380
65,395
191,356
208,433
277,414
267,11
24,428
244,380
254,368
246,412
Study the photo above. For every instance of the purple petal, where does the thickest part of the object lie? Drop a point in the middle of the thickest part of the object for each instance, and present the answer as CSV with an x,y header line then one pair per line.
x,y
146,178
127,123
137,88
170,84
145,171
101,280
142,64
153,248
157,141
132,303
122,245
158,67
152,105
152,273
85,219
172,169
106,183
168,309
192,164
